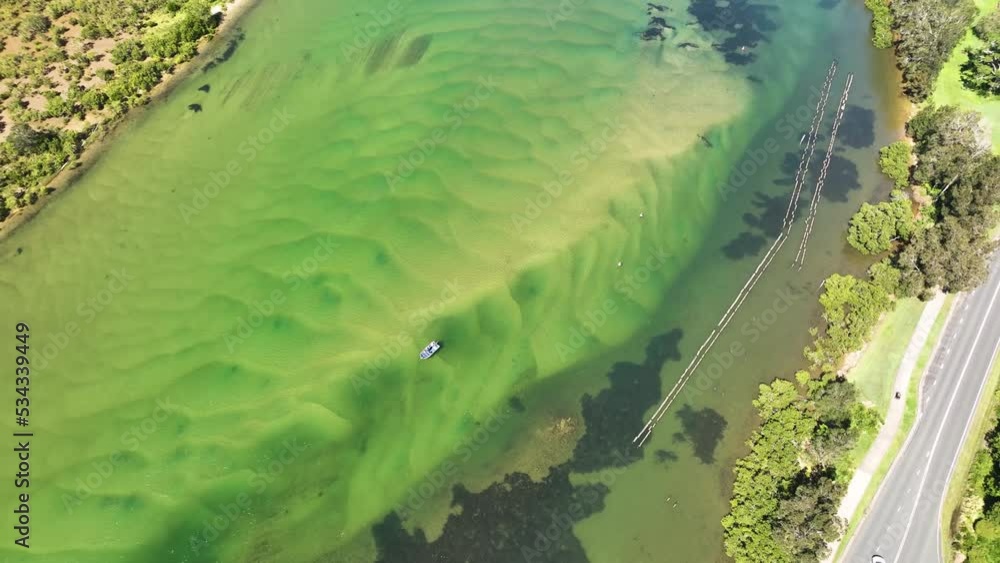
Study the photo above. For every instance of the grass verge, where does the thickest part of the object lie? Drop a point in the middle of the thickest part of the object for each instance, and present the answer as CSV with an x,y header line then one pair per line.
x,y
909,417
874,375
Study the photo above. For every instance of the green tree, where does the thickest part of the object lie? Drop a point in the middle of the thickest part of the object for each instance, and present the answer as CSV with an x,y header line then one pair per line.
x,y
951,256
92,31
882,23
894,161
927,32
975,195
807,521
874,227
57,106
25,140
126,51
981,72
946,140
884,275
93,99
988,28
851,307
865,419
58,8
765,473
833,405
986,548
32,25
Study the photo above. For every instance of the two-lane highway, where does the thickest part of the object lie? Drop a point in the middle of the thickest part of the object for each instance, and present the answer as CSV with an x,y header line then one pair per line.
x,y
903,523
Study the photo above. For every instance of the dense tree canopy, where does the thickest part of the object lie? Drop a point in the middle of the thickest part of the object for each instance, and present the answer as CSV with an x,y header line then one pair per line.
x,y
851,307
983,544
949,256
946,139
973,197
25,140
763,474
874,227
981,72
894,161
927,32
807,521
127,50
882,23
963,176
34,24
784,504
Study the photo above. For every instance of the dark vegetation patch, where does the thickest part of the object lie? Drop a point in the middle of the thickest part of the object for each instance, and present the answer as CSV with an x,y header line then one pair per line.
x,y
416,50
657,27
703,429
770,214
742,24
857,130
380,53
519,519
746,244
515,404
842,178
231,46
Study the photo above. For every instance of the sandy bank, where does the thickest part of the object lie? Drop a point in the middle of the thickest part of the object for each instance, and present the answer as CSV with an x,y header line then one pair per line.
x,y
63,180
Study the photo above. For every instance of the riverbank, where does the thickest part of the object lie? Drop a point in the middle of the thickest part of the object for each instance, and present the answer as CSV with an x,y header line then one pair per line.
x,y
948,90
932,239
95,145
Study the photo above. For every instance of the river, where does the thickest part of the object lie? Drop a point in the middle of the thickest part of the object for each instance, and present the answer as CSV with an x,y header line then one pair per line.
x,y
226,308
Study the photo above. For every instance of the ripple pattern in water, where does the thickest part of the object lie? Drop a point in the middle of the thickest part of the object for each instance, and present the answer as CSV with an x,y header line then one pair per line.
x,y
228,307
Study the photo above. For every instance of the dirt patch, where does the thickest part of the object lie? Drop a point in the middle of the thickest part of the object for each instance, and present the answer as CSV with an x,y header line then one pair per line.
x,y
59,82
103,46
12,45
91,78
5,125
37,102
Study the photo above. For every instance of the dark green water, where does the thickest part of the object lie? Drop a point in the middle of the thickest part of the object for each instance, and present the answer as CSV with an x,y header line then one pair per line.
x,y
226,310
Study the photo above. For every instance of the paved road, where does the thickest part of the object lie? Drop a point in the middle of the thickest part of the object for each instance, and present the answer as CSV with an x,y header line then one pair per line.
x,y
903,523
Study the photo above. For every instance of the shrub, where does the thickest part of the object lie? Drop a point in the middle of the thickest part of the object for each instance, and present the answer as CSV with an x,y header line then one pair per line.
x,y
92,31
851,308
93,99
894,161
58,8
874,227
981,72
25,140
988,28
126,51
32,25
881,23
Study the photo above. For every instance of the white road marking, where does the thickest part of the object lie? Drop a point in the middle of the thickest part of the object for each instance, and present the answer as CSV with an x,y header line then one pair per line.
x,y
951,403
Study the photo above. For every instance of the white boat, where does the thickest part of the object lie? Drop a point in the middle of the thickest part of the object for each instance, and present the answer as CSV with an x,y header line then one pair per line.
x,y
430,349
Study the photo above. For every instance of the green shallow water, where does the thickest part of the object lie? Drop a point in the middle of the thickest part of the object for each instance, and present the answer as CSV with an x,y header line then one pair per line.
x,y
226,309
